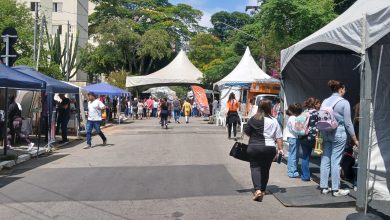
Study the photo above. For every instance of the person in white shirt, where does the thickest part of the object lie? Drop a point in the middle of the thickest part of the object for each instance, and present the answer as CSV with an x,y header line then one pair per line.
x,y
95,107
293,111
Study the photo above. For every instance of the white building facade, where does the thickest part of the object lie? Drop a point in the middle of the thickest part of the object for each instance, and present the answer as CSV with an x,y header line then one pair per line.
x,y
62,15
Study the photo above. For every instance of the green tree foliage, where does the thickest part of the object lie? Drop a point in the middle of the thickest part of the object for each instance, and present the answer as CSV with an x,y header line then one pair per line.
x,y
224,22
138,35
204,48
218,69
17,15
118,79
342,5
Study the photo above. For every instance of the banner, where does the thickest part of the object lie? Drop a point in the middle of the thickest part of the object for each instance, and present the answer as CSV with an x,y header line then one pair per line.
x,y
201,99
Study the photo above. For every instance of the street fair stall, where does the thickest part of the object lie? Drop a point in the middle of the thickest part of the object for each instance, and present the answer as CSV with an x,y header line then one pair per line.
x,y
179,72
12,79
161,92
355,49
53,87
246,81
105,89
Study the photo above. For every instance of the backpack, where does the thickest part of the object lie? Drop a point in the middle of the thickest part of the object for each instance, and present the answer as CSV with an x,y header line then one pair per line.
x,y
326,119
301,125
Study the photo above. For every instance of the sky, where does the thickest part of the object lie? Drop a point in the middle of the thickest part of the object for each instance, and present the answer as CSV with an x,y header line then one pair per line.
x,y
209,7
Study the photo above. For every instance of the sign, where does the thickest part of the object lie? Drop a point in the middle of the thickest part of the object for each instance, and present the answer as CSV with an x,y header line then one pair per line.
x,y
201,99
265,88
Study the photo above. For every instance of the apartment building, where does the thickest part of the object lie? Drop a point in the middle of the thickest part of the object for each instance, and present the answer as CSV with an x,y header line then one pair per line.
x,y
62,15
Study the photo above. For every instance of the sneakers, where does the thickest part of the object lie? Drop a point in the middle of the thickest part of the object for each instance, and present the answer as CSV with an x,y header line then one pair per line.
x,y
325,191
88,146
30,146
105,142
341,192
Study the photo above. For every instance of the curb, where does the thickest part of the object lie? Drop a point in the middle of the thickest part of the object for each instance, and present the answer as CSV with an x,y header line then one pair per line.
x,y
22,158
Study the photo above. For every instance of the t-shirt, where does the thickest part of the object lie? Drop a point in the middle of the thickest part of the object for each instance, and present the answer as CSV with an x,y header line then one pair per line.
x,y
176,105
232,106
149,103
155,104
263,132
95,110
290,124
62,111
134,103
187,108
215,104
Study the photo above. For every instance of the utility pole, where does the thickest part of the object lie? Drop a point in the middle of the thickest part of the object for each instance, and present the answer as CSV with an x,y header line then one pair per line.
x,y
67,53
40,41
35,32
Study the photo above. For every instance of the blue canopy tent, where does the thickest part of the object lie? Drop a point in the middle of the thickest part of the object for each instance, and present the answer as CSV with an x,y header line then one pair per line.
x,y
106,89
109,90
10,78
52,86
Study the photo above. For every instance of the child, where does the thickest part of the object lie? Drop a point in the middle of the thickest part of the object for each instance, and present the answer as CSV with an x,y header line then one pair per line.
x,y
292,164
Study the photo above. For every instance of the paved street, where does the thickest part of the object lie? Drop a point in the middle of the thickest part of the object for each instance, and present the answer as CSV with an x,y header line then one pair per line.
x,y
147,173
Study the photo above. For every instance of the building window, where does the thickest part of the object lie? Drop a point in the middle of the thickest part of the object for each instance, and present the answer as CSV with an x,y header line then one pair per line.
x,y
34,6
57,29
57,7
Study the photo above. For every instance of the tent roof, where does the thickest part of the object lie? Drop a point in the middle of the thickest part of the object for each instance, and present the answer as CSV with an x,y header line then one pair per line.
x,y
11,78
52,85
346,31
247,71
179,71
105,89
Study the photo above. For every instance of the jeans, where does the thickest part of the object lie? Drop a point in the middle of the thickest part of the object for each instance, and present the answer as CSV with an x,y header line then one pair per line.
x,y
307,148
292,162
154,112
94,125
261,157
334,145
177,115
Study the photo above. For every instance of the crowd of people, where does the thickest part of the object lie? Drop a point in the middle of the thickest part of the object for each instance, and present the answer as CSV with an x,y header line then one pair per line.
x,y
163,108
329,120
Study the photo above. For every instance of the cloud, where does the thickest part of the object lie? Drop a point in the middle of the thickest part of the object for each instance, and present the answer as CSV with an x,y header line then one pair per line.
x,y
206,19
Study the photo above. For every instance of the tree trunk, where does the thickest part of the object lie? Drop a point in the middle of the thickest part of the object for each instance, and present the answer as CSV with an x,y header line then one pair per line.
x,y
149,66
141,66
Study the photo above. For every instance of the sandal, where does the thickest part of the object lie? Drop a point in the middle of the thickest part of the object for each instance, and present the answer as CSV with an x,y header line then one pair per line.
x,y
258,196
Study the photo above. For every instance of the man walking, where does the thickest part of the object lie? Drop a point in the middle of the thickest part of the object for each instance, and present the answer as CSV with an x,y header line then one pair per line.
x,y
95,107
176,110
63,117
134,106
149,107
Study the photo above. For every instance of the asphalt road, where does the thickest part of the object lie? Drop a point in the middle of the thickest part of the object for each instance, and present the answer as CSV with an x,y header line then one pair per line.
x,y
147,173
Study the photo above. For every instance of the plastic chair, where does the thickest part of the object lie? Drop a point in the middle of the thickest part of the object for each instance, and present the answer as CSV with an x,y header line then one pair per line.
x,y
243,122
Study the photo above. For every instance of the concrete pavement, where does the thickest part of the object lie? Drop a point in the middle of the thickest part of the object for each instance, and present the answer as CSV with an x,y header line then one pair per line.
x,y
147,173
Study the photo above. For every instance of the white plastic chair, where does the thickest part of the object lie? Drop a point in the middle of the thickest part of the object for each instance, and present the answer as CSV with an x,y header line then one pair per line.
x,y
221,119
243,122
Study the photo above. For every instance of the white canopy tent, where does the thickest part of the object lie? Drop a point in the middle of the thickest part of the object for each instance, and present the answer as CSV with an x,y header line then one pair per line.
x,y
180,71
357,40
245,73
161,92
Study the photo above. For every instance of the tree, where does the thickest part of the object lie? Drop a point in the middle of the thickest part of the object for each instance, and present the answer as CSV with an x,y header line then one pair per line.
x,y
118,79
218,69
155,45
224,22
13,14
342,5
204,48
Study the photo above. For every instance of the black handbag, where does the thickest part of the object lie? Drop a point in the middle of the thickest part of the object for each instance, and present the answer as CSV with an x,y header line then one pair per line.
x,y
239,151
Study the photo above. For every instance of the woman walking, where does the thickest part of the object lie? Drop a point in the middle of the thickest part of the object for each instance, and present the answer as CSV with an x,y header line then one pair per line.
x,y
140,107
308,141
335,140
187,110
232,119
264,135
164,114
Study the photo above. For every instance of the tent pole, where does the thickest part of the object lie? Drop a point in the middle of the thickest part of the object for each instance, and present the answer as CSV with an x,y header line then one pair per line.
x,y
5,137
364,131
